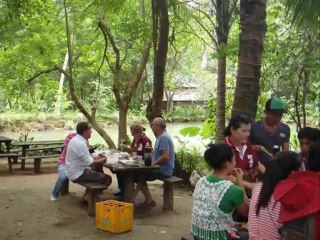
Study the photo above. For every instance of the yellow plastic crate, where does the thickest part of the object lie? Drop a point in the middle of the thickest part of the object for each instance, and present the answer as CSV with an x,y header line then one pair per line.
x,y
114,216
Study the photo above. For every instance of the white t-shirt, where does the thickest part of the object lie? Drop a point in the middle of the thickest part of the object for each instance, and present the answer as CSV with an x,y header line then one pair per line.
x,y
78,157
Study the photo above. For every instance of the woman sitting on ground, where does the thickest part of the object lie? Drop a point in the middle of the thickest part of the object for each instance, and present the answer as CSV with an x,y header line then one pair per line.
x,y
264,210
215,198
237,134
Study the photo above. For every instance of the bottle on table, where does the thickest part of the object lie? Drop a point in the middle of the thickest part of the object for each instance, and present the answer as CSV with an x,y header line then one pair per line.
x,y
147,155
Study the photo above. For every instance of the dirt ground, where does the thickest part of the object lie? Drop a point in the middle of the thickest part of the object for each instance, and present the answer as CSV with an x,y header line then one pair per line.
x,y
27,213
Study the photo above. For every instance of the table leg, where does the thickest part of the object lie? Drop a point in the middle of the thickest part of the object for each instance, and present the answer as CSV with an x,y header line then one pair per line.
x,y
128,195
10,164
24,153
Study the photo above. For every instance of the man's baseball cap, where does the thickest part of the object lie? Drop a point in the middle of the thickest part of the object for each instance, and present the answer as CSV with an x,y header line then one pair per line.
x,y
275,104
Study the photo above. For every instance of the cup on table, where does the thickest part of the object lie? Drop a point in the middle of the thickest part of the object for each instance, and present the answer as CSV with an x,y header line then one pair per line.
x,y
139,158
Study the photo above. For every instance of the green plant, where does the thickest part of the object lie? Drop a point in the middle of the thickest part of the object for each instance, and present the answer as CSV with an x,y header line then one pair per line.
x,y
189,158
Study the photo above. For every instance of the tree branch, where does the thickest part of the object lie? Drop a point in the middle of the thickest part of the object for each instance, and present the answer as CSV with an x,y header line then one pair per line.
x,y
30,80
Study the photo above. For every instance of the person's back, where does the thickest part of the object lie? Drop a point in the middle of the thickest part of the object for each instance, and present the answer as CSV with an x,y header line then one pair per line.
x,y
215,198
264,226
78,157
264,210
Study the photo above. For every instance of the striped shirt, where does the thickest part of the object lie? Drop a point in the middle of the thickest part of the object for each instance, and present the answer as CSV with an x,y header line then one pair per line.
x,y
63,154
264,226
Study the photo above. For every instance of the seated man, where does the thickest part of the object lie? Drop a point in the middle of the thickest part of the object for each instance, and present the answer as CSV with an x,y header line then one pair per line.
x,y
163,156
79,160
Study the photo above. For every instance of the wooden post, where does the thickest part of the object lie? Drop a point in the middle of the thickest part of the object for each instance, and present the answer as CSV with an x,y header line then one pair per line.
x,y
128,195
94,197
37,164
168,188
65,188
10,164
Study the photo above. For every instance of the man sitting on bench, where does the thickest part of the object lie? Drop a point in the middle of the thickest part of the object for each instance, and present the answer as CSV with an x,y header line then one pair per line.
x,y
79,160
163,155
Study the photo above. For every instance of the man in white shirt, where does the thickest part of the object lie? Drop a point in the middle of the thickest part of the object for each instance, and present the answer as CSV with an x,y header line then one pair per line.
x,y
79,160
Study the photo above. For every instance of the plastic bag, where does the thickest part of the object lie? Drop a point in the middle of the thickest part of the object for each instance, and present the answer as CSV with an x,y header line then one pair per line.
x,y
194,178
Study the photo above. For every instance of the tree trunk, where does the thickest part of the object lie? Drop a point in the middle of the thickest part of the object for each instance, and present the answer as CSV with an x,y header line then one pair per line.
x,y
224,11
160,20
253,28
74,97
122,127
221,101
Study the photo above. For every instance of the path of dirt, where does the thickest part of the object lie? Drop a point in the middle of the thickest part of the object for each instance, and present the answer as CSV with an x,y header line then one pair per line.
x,y
27,213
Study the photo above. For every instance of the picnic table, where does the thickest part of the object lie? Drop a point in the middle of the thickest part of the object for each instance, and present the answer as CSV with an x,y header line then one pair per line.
x,y
26,145
9,156
129,173
5,140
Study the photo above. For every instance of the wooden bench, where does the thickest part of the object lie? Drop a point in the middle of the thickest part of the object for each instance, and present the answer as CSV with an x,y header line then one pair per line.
x,y
168,189
188,237
37,160
94,189
300,229
45,149
9,156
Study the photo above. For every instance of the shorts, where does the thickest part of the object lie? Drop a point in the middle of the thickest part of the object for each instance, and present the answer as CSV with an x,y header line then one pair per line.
x,y
89,175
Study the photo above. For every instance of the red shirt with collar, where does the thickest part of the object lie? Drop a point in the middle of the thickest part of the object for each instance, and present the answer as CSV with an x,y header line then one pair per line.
x,y
139,144
248,159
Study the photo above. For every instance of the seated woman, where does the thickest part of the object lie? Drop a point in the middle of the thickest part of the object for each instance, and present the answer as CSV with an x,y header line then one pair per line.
x,y
138,145
237,134
299,197
264,210
215,198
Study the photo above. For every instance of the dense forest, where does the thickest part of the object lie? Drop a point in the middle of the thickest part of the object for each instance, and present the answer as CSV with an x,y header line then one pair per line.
x,y
111,60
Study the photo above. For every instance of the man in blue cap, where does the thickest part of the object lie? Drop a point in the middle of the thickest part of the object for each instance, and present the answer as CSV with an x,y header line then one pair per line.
x,y
270,135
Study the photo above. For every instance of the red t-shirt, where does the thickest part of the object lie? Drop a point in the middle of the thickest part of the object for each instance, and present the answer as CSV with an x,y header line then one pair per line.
x,y
139,144
247,159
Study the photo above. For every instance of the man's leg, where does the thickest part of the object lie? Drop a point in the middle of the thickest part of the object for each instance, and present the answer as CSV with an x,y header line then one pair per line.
x,y
146,192
62,177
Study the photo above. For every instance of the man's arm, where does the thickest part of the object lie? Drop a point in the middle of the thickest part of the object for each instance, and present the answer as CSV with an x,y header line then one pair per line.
x,y
163,158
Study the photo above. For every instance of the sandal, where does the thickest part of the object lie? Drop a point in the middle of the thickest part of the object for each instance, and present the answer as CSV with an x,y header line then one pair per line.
x,y
150,204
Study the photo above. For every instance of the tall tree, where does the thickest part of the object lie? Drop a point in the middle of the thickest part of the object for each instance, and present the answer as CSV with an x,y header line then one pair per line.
x,y
224,12
160,32
253,29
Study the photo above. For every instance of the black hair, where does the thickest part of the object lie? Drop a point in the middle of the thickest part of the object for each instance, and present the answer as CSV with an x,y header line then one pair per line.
x,y
313,163
277,169
218,154
235,122
309,133
82,126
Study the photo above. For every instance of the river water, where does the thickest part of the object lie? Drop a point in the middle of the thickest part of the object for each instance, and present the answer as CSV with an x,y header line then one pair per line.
x,y
172,128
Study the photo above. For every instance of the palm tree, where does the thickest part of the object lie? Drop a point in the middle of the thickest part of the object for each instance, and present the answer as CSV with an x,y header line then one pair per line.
x,y
253,28
304,12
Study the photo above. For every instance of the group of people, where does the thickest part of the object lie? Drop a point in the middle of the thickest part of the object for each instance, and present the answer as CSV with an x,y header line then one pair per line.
x,y
78,165
257,179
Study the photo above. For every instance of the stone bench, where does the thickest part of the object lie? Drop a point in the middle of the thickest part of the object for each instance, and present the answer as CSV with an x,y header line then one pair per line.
x,y
94,190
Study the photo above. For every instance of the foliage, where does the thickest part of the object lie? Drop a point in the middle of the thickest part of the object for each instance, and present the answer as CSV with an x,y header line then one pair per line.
x,y
188,157
186,114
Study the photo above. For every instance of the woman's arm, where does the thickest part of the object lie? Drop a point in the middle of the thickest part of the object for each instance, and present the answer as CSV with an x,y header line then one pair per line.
x,y
243,208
